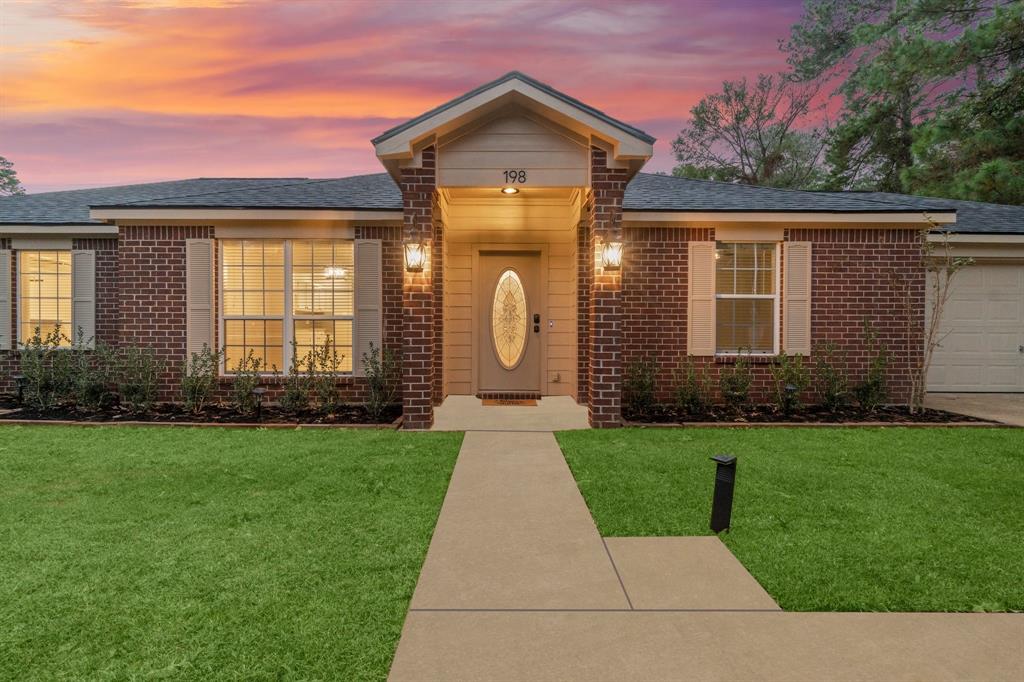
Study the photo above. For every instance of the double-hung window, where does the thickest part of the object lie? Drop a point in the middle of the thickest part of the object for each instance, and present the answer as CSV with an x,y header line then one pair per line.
x,y
275,291
746,298
44,295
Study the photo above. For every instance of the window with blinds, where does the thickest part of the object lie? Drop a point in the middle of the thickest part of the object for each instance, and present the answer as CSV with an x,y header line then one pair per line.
x,y
746,298
44,295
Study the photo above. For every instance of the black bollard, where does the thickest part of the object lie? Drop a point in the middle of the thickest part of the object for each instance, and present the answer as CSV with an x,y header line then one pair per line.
x,y
258,393
20,380
725,481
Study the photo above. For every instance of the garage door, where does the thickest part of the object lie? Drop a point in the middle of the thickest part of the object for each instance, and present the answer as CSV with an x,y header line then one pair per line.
x,y
984,321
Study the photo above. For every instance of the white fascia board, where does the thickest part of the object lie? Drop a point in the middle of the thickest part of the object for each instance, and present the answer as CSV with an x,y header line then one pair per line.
x,y
977,238
401,145
80,231
209,214
646,217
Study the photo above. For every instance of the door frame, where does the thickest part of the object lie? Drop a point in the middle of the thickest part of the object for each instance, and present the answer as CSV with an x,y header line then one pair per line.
x,y
477,307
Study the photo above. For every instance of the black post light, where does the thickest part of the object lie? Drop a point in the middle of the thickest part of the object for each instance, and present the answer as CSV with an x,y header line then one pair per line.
x,y
725,481
20,380
258,392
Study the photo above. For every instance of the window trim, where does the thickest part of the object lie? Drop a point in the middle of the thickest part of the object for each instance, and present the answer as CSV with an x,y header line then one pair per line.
x,y
288,317
19,293
776,305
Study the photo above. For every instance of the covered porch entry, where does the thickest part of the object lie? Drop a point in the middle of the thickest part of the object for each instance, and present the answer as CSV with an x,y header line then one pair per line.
x,y
510,195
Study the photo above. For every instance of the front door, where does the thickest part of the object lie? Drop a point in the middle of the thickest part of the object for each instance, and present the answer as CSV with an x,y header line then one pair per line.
x,y
509,313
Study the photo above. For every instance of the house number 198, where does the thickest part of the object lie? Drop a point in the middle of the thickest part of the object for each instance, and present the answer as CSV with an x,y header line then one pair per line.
x,y
515,176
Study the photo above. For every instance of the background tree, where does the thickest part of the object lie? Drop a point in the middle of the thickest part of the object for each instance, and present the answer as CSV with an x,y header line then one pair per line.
x,y
931,92
9,182
751,134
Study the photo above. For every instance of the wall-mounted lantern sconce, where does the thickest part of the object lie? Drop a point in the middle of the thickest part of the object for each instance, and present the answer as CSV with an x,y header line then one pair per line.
x,y
611,256
415,256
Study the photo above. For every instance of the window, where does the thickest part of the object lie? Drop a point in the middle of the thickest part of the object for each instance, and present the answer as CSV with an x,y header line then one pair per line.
x,y
44,294
276,291
746,293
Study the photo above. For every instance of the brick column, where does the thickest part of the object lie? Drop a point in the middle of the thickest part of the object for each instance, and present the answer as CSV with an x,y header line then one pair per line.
x,y
418,186
608,185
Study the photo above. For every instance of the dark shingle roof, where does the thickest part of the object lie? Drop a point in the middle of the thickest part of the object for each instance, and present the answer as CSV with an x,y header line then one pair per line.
x,y
972,217
374,192
649,192
71,207
516,75
378,191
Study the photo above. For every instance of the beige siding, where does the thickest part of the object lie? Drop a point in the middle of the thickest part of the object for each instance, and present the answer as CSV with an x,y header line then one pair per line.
x,y
481,156
548,222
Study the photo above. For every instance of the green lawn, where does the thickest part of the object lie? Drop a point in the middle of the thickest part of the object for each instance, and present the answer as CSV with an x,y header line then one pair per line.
x,y
211,553
830,519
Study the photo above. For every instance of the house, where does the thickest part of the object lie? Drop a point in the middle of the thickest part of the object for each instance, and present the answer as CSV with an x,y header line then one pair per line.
x,y
513,247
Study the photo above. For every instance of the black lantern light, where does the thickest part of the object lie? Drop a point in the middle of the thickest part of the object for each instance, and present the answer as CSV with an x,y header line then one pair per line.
x,y
725,481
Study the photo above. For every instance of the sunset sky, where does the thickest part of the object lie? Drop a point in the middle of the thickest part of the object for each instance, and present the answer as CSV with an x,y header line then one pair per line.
x,y
99,92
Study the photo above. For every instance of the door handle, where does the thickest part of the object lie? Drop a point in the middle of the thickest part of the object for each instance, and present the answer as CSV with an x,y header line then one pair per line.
x,y
536,323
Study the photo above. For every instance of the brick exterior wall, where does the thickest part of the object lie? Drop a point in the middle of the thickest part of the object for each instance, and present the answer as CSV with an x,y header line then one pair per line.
x,y
419,361
604,380
856,274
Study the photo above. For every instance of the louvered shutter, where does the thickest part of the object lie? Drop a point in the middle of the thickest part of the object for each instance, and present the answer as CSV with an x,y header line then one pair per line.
x,y
198,295
796,299
700,317
6,337
83,298
368,298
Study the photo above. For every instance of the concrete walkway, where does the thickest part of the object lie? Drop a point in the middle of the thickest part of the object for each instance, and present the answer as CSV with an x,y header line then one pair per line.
x,y
1007,408
468,413
518,585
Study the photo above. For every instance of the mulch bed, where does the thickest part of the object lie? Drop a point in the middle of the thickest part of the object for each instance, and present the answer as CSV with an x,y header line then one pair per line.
x,y
767,414
169,413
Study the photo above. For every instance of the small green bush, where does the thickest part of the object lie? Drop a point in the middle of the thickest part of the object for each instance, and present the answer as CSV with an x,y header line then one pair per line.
x,y
322,373
734,383
872,392
295,393
382,380
693,390
831,381
789,379
246,379
199,380
91,372
138,378
44,364
638,386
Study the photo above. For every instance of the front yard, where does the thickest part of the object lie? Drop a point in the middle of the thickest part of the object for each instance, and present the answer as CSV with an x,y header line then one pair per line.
x,y
832,519
129,553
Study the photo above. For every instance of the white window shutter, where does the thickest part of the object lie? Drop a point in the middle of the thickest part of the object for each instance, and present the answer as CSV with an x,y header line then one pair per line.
x,y
198,295
6,337
368,297
700,316
796,299
83,298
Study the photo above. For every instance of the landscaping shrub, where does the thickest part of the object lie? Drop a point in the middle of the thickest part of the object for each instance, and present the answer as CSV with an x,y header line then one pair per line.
x,y
382,380
138,378
832,382
46,376
734,383
872,392
247,378
322,372
199,380
295,393
790,378
638,387
693,390
90,372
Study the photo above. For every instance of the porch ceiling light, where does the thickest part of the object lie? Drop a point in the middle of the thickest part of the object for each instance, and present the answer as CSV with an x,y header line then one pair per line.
x,y
611,256
415,256
510,190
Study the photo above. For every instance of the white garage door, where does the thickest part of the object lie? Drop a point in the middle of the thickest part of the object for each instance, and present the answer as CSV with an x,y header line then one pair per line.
x,y
984,347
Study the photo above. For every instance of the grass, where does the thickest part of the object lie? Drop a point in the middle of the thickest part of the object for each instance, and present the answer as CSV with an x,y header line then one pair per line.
x,y
211,553
858,519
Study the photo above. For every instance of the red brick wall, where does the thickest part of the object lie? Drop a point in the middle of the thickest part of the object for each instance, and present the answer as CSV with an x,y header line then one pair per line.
x,y
420,312
604,383
856,274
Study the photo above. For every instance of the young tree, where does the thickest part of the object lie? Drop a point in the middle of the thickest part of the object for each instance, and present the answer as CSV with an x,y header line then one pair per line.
x,y
751,134
9,182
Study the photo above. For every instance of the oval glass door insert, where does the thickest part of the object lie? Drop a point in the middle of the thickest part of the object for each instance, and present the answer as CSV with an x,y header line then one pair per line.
x,y
509,319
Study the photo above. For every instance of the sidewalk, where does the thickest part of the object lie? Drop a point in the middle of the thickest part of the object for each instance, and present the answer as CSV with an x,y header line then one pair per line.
x,y
518,585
